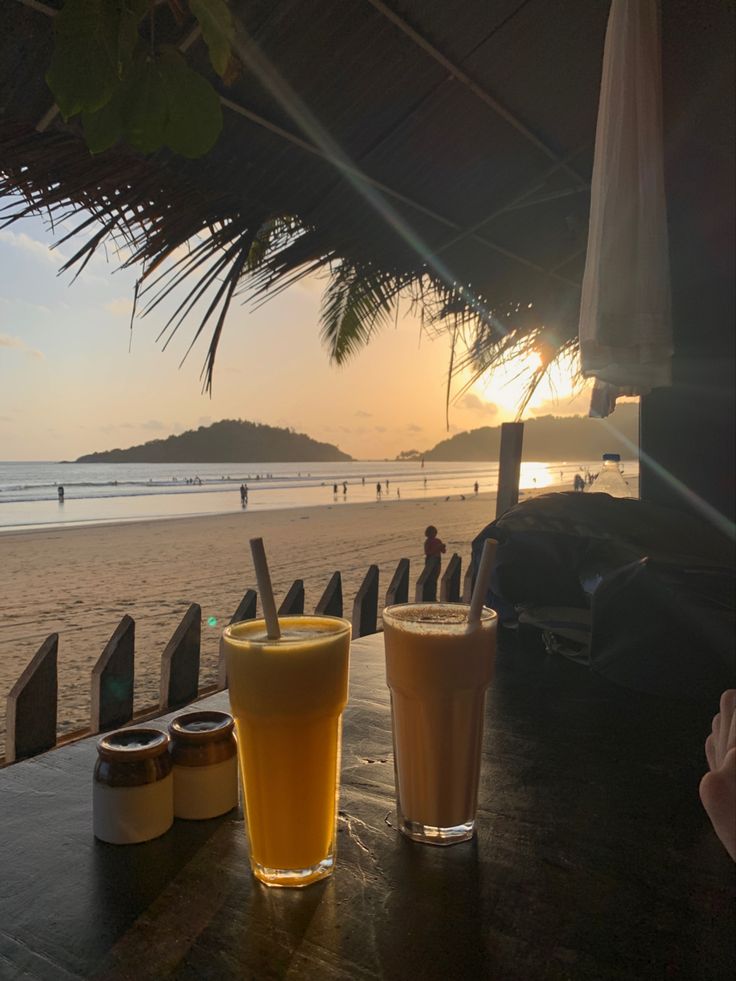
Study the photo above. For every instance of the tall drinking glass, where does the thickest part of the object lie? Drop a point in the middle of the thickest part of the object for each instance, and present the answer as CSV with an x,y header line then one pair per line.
x,y
287,698
438,670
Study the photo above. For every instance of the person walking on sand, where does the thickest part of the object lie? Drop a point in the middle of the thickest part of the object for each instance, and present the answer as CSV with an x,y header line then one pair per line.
x,y
344,488
243,495
60,493
475,487
433,546
378,491
334,489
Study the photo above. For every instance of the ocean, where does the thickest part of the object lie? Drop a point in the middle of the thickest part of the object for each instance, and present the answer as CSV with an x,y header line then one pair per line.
x,y
119,492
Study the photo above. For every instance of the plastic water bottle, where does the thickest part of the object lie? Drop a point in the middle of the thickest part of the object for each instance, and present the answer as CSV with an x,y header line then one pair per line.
x,y
610,479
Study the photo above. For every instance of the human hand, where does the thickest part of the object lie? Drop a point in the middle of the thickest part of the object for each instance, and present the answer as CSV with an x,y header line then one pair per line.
x,y
718,786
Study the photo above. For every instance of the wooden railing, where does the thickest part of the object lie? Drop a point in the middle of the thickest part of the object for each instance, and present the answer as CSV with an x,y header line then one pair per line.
x,y
32,702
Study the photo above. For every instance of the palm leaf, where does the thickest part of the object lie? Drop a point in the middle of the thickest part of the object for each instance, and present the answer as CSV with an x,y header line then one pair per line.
x,y
357,303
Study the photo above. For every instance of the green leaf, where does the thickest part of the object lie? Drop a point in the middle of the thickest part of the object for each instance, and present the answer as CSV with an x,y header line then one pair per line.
x,y
194,113
93,47
145,107
103,128
131,14
216,23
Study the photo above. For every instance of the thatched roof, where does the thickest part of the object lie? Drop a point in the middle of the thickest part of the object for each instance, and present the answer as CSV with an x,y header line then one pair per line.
x,y
439,148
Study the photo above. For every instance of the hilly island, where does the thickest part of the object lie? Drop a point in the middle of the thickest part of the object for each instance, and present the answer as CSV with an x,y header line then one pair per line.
x,y
546,438
227,441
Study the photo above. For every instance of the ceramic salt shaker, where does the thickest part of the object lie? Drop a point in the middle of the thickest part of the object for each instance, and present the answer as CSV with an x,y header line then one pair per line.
x,y
133,788
205,757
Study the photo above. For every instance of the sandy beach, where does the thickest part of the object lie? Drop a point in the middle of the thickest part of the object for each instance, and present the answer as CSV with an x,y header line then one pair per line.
x,y
80,581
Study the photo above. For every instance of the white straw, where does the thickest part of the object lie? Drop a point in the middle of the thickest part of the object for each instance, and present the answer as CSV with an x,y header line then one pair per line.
x,y
263,579
481,581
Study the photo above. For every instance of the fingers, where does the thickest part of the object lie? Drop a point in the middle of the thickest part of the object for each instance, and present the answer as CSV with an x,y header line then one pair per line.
x,y
726,737
718,794
731,737
710,752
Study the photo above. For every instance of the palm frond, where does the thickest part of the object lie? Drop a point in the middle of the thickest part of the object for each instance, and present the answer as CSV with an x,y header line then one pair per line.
x,y
207,245
356,303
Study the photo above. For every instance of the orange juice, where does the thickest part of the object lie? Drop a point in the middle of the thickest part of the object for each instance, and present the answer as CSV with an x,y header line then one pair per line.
x,y
287,698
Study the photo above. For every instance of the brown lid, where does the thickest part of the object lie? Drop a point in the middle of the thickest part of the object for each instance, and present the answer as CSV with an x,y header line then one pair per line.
x,y
201,727
131,745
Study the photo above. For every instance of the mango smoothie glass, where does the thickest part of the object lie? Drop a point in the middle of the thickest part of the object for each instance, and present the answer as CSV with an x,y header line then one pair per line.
x,y
287,698
438,670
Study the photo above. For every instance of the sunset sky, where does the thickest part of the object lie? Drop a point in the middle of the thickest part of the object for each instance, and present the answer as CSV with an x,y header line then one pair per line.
x,y
69,385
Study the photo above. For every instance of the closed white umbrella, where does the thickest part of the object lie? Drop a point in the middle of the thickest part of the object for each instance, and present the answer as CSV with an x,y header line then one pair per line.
x,y
625,317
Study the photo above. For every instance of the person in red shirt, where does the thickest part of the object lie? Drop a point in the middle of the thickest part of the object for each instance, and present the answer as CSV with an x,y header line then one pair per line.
x,y
433,546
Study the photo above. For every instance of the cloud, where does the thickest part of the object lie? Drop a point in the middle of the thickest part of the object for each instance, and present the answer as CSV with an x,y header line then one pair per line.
x,y
153,424
204,421
413,428
472,403
121,306
17,344
6,418
19,240
364,415
26,304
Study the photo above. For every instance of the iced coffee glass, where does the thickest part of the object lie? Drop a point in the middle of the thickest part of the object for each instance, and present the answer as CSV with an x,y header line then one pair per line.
x,y
287,698
438,670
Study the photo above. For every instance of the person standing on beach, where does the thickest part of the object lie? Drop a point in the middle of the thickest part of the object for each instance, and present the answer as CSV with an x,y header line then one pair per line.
x,y
475,487
60,493
243,495
433,546
334,489
344,488
378,491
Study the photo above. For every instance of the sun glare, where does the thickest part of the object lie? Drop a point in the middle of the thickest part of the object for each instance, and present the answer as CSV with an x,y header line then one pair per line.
x,y
505,385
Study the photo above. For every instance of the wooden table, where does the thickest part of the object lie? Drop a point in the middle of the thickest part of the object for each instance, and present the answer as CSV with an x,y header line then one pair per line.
x,y
593,858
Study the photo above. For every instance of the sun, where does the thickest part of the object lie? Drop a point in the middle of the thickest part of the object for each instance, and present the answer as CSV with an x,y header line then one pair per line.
x,y
506,385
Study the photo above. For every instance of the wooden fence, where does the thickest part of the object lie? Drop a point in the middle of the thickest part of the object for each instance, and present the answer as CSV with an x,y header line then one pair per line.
x,y
31,707
32,702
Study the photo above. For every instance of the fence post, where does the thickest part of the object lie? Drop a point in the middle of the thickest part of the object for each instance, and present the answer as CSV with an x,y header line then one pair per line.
x,y
293,603
398,590
469,581
31,706
509,466
450,582
426,591
247,610
180,661
331,600
365,607
112,679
